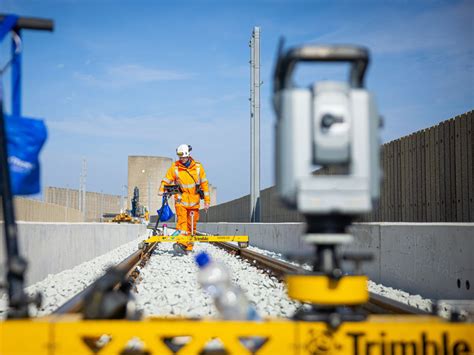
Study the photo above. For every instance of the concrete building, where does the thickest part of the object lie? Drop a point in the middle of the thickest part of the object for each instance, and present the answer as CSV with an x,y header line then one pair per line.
x,y
146,173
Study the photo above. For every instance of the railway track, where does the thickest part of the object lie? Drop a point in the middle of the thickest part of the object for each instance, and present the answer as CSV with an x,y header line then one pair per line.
x,y
129,269
377,304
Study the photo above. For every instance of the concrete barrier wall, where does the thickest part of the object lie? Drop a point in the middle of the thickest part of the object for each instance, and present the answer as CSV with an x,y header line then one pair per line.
x,y
96,203
431,258
54,247
38,211
434,260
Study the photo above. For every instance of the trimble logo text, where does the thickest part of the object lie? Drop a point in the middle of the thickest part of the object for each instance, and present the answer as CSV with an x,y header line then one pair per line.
x,y
424,345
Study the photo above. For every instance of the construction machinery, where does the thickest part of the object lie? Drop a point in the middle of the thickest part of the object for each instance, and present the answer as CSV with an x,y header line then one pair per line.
x,y
137,209
122,218
134,215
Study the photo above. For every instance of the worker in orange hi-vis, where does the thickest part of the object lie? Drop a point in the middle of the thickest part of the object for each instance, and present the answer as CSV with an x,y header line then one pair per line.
x,y
191,178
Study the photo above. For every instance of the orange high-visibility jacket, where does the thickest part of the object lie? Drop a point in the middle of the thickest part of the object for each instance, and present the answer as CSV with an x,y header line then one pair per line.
x,y
179,174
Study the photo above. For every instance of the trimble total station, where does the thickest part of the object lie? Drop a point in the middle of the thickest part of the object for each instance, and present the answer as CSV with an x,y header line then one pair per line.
x,y
329,125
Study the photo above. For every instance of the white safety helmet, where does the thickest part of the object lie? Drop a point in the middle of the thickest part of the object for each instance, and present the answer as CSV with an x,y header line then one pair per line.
x,y
183,150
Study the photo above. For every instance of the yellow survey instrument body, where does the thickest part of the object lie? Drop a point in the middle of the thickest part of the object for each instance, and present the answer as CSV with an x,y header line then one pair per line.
x,y
377,335
197,238
323,290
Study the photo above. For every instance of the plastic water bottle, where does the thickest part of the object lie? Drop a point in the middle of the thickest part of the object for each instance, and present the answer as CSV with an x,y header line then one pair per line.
x,y
176,233
229,299
165,229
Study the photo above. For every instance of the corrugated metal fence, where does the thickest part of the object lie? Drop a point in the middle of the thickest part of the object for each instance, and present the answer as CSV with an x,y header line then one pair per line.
x,y
428,177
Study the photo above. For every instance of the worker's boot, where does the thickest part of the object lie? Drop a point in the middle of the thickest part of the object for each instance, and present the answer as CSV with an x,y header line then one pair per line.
x,y
179,248
189,247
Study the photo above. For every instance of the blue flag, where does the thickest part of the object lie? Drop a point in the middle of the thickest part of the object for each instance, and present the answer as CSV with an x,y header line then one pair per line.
x,y
25,138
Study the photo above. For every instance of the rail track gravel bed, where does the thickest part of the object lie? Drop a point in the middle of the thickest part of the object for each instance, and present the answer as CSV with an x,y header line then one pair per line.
x,y
169,286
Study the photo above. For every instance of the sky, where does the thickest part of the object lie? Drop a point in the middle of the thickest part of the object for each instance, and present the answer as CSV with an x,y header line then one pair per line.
x,y
120,78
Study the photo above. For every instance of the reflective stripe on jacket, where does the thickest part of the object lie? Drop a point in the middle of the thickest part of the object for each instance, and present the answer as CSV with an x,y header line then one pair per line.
x,y
179,174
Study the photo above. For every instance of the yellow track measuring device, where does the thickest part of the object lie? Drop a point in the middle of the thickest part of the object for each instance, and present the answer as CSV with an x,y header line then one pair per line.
x,y
377,335
197,238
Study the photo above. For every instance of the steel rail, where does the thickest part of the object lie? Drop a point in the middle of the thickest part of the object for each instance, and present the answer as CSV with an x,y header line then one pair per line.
x,y
377,304
76,303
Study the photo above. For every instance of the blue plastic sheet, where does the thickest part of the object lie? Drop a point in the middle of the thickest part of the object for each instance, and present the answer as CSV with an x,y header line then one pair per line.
x,y
25,138
165,212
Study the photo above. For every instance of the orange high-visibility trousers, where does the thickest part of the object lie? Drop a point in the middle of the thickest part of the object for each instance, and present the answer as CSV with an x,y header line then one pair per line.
x,y
185,220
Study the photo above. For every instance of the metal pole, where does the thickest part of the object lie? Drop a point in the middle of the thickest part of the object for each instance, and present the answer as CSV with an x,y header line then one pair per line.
x,y
82,189
255,126
66,219
252,153
149,194
257,123
15,264
79,193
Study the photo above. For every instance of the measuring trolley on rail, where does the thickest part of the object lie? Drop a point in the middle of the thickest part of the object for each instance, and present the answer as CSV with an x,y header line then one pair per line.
x,y
159,235
242,240
328,124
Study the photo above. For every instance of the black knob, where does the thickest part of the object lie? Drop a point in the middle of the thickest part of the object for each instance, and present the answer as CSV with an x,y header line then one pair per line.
x,y
328,120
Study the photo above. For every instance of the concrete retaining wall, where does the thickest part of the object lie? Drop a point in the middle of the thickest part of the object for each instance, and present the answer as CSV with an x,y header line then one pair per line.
x,y
54,247
434,260
96,203
431,259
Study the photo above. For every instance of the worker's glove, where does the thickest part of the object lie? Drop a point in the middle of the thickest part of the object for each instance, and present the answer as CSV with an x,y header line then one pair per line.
x,y
206,206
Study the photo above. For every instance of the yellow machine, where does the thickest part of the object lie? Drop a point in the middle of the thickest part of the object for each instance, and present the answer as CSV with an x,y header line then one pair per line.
x,y
122,218
241,239
333,322
376,335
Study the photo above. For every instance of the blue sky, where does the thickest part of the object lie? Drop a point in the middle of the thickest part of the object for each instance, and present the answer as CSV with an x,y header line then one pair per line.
x,y
119,78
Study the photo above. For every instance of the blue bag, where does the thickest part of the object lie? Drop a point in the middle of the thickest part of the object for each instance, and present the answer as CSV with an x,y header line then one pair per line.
x,y
165,212
25,138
